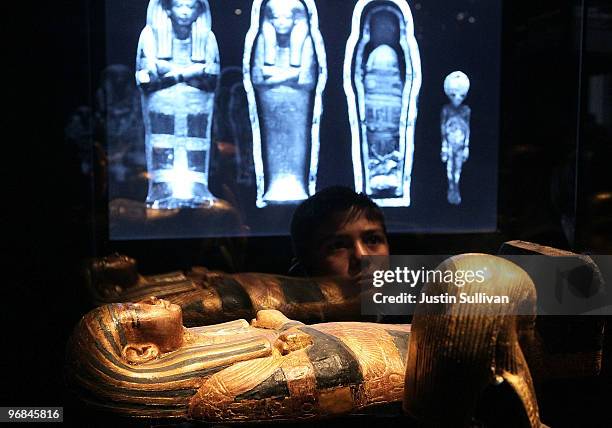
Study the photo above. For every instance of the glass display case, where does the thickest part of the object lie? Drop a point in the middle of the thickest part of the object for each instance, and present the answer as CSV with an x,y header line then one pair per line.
x,y
472,123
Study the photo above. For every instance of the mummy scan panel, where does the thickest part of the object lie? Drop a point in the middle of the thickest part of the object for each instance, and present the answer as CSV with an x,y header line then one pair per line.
x,y
285,73
455,130
177,66
382,80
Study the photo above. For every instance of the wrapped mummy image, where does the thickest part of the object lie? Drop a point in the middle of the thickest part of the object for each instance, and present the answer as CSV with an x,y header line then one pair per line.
x,y
455,130
177,65
382,80
284,69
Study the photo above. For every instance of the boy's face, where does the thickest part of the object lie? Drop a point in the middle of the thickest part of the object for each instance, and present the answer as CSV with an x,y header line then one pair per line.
x,y
339,246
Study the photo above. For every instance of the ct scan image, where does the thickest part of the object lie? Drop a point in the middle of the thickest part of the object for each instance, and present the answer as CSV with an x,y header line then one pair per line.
x,y
219,119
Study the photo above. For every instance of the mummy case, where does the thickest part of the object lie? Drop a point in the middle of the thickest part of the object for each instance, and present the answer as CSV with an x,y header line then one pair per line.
x,y
455,130
177,77
382,80
285,73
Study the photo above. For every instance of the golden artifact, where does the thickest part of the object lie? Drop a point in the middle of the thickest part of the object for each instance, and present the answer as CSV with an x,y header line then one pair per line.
x,y
138,360
461,355
209,297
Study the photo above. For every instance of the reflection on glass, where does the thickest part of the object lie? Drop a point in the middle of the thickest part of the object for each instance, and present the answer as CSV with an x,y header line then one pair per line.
x,y
382,80
243,134
284,77
455,129
177,67
118,113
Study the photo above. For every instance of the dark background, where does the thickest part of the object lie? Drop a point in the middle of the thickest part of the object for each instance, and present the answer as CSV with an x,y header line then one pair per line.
x,y
461,35
554,183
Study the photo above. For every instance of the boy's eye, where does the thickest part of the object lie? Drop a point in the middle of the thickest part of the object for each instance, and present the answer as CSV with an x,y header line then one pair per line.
x,y
373,239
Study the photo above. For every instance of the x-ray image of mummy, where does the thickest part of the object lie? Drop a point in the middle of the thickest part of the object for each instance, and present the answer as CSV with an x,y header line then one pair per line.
x,y
177,66
455,129
284,77
382,80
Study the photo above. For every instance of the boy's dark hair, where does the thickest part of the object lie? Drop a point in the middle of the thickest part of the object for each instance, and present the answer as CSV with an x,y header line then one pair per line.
x,y
318,209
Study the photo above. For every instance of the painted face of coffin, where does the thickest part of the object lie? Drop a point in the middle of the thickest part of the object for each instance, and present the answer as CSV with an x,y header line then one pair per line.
x,y
152,327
